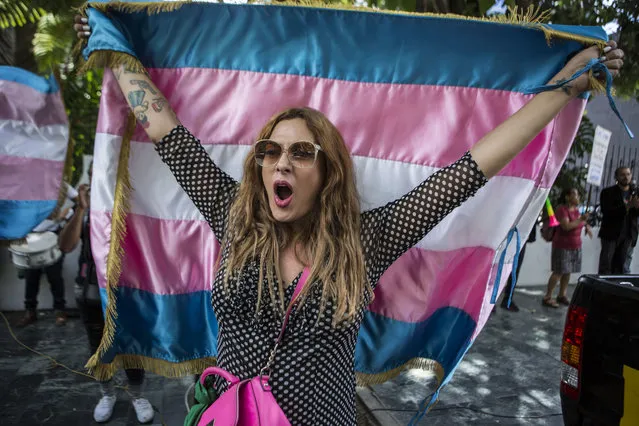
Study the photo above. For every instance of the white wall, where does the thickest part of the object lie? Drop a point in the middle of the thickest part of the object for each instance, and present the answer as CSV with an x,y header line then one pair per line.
x,y
536,267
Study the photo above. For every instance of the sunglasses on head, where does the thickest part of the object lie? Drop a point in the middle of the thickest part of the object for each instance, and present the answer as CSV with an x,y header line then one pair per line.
x,y
301,154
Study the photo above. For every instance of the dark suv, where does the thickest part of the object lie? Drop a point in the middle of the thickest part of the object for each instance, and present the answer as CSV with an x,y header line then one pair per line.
x,y
600,353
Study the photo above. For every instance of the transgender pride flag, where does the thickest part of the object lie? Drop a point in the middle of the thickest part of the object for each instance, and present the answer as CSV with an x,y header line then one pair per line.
x,y
34,135
410,95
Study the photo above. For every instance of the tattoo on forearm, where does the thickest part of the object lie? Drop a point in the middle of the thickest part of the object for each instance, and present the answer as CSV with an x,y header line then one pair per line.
x,y
566,88
123,69
139,106
144,85
159,103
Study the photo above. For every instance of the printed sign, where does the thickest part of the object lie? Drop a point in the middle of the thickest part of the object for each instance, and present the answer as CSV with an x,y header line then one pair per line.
x,y
598,155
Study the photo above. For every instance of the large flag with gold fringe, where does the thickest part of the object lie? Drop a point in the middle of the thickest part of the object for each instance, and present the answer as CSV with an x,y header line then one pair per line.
x,y
409,93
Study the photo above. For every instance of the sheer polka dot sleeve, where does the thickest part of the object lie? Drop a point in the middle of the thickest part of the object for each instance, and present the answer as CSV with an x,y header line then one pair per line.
x,y
211,189
390,230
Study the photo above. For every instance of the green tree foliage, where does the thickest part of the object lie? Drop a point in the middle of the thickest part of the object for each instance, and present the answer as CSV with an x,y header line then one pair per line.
x,y
15,13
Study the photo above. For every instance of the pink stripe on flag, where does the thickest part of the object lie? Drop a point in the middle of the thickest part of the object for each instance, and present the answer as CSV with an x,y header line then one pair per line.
x,y
161,256
420,132
42,109
563,134
159,262
23,178
421,281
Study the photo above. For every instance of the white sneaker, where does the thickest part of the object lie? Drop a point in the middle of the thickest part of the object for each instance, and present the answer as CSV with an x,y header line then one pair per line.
x,y
143,410
104,410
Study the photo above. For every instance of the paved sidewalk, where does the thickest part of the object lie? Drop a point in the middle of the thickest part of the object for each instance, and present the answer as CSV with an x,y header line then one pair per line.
x,y
512,370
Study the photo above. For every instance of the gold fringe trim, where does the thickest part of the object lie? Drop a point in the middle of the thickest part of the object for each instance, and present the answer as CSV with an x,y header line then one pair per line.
x,y
151,8
157,366
549,33
596,85
531,17
112,59
419,363
118,231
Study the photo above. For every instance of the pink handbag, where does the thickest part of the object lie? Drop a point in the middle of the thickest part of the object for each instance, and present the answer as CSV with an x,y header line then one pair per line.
x,y
250,402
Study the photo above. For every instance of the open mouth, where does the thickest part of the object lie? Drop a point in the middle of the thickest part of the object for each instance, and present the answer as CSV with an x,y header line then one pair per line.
x,y
283,193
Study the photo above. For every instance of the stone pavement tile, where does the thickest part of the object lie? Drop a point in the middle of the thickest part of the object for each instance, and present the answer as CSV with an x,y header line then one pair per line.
x,y
16,395
172,418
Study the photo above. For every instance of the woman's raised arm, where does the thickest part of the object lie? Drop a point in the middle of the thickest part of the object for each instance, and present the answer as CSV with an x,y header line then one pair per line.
x,y
495,150
210,188
149,105
151,108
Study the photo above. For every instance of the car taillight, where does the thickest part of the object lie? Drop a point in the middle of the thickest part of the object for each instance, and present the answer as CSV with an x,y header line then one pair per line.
x,y
571,351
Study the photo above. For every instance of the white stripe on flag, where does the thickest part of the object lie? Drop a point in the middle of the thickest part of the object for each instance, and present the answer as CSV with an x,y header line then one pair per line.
x,y
481,221
22,139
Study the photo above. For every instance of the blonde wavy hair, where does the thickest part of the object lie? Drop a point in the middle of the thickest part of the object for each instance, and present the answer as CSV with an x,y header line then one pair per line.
x,y
330,233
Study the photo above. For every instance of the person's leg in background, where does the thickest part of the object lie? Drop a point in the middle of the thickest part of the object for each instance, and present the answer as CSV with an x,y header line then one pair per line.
x,y
54,275
562,297
94,322
31,289
504,301
608,248
143,408
628,262
552,283
619,256
91,313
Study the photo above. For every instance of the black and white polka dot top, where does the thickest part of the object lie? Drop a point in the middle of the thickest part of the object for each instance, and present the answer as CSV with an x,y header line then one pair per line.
x,y
313,376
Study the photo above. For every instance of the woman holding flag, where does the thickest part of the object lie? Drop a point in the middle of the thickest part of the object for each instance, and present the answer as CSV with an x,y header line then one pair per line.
x,y
295,218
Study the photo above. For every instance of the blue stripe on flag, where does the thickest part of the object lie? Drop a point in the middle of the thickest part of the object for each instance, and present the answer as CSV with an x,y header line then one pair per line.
x,y
440,337
141,332
191,338
22,76
339,44
19,217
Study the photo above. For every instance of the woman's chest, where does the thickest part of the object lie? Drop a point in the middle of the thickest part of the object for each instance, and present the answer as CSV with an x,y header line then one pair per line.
x,y
239,301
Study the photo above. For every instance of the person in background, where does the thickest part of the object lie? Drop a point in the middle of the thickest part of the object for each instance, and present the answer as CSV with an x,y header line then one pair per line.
x,y
88,300
532,237
619,229
566,247
633,244
53,272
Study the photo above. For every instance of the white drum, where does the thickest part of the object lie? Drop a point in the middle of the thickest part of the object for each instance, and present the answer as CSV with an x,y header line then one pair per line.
x,y
40,250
